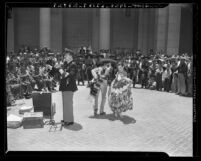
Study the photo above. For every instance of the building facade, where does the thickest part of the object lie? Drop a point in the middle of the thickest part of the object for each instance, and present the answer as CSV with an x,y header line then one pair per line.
x,y
168,29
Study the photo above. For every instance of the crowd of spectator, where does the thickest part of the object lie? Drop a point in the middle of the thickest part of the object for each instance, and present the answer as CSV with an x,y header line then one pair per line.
x,y
34,69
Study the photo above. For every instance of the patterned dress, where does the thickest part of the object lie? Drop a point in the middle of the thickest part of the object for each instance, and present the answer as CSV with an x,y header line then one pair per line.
x,y
120,97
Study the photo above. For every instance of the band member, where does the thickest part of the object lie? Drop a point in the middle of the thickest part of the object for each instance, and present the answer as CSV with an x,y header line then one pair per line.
x,y
38,78
144,75
158,73
166,76
182,74
68,87
24,77
190,79
15,85
30,70
82,51
134,72
120,96
174,84
80,74
89,64
9,95
101,74
47,79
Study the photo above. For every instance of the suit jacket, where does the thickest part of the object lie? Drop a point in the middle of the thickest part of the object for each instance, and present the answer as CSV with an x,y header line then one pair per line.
x,y
69,83
182,68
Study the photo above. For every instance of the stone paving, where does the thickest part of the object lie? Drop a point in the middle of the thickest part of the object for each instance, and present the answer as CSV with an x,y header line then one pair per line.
x,y
159,121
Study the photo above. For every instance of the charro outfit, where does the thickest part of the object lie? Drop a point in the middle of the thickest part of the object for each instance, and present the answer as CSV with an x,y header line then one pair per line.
x,y
101,75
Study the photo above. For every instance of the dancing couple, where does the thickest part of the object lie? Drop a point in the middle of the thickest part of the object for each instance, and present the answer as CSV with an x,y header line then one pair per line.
x,y
119,94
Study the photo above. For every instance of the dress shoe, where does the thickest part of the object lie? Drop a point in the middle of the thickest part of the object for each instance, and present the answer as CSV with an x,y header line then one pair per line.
x,y
102,113
68,123
95,112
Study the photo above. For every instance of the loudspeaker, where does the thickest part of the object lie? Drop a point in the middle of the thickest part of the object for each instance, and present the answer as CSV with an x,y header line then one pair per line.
x,y
42,102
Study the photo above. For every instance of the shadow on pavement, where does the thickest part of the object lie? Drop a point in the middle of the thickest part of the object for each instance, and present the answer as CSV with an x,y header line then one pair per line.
x,y
74,127
125,119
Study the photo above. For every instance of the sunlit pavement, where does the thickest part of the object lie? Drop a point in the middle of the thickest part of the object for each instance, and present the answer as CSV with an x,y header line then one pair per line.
x,y
159,121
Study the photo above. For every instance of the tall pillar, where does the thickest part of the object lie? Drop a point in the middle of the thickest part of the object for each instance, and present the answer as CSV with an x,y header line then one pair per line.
x,y
56,29
140,29
104,41
186,30
143,30
151,29
44,27
10,34
162,29
174,20
95,29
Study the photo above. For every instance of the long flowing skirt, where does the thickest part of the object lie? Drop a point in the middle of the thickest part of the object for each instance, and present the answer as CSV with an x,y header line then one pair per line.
x,y
120,98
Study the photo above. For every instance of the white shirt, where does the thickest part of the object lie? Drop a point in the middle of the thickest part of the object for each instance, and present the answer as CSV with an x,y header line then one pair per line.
x,y
97,71
166,74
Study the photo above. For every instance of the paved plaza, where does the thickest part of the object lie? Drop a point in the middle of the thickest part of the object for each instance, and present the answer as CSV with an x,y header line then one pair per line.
x,y
159,121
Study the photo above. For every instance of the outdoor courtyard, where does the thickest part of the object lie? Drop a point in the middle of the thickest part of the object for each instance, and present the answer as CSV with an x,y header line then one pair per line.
x,y
159,121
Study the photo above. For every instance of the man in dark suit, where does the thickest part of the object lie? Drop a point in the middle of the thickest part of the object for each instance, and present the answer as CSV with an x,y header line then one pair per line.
x,y
89,64
68,87
82,51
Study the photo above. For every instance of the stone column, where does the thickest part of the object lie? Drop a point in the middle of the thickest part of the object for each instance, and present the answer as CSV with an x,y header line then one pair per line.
x,y
174,20
162,29
44,27
95,29
140,29
151,29
104,41
10,34
56,29
143,30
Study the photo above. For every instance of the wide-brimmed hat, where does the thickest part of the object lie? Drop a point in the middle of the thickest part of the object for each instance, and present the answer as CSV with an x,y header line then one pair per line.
x,y
165,65
182,57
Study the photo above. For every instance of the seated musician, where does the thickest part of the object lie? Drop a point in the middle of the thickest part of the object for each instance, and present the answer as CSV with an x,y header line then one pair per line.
x,y
14,82
9,95
47,79
80,74
26,85
30,70
38,78
53,74
57,66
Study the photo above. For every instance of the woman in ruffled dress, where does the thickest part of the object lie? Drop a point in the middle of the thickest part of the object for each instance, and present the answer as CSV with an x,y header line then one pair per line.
x,y
120,95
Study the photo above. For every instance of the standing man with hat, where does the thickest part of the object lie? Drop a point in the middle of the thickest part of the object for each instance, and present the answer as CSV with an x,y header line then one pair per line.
x,y
68,87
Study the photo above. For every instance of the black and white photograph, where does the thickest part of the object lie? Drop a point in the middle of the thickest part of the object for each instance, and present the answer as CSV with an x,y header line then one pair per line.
x,y
88,78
